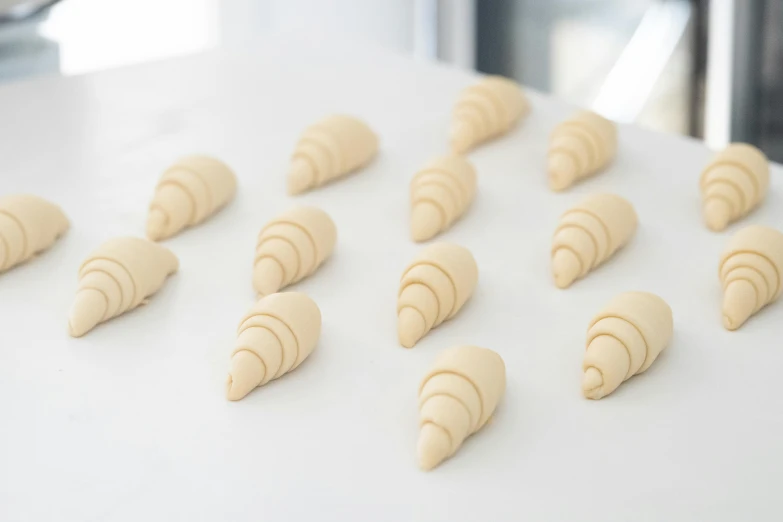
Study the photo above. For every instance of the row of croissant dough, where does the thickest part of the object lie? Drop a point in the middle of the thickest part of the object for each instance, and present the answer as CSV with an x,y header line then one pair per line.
x,y
459,395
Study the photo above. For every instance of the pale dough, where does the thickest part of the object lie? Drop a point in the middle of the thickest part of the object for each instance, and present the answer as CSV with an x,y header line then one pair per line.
x,y
189,192
485,110
28,225
580,147
750,273
279,333
589,234
456,399
330,149
433,289
117,277
623,340
732,184
291,247
440,193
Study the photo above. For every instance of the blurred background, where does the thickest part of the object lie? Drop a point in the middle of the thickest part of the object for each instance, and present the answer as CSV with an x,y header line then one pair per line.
x,y
712,69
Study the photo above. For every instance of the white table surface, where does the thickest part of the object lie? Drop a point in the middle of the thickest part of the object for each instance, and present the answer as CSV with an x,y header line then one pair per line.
x,y
131,422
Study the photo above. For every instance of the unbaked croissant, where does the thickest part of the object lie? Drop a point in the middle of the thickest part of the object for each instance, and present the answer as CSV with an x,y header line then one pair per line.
x,y
440,193
433,288
485,110
580,147
589,234
28,225
623,340
733,183
330,149
456,399
750,272
291,247
189,192
117,277
279,333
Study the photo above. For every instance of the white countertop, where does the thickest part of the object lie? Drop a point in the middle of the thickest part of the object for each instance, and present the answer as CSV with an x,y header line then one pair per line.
x,y
131,422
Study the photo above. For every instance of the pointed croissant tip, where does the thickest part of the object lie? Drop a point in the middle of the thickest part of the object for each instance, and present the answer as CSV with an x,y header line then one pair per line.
x,y
565,268
739,301
729,323
300,177
156,224
734,319
411,326
561,171
461,137
434,446
246,373
73,332
592,382
267,276
87,311
716,214
425,221
234,392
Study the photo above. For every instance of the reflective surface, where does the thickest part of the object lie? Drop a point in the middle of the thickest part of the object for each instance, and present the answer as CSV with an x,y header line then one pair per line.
x,y
627,59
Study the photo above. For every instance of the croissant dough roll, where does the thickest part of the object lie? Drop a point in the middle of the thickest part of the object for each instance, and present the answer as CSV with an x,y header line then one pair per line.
x,y
291,247
279,333
485,110
623,340
28,225
589,234
580,147
750,273
440,193
433,289
117,277
732,184
330,149
456,399
189,192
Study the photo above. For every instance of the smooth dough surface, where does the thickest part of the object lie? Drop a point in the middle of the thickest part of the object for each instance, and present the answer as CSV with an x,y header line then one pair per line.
x,y
279,332
750,272
28,225
456,399
433,288
291,247
330,149
189,192
440,193
589,234
623,340
486,110
580,147
117,277
732,184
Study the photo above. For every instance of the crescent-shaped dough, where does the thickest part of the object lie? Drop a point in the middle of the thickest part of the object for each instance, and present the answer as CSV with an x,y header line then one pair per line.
x,y
28,225
117,277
